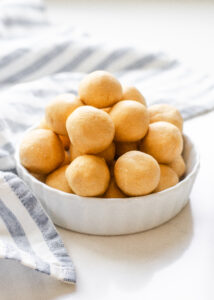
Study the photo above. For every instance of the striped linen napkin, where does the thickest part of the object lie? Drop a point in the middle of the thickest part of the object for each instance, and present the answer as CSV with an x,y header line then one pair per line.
x,y
27,234
31,48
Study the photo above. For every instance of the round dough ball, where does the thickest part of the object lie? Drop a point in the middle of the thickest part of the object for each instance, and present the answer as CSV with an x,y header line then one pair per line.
x,y
168,178
65,141
108,154
113,190
74,153
163,141
58,110
43,125
40,177
107,109
178,165
167,113
88,175
132,93
66,160
57,180
124,147
100,89
41,151
90,130
131,120
111,168
136,173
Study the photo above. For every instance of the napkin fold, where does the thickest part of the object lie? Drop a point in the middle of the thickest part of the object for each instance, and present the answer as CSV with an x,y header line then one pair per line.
x,y
57,58
27,234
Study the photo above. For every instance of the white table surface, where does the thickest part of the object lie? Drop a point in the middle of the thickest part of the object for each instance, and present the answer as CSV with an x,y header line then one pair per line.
x,y
176,260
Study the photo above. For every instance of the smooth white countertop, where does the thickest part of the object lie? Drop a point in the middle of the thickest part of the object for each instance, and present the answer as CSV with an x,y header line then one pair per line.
x,y
176,260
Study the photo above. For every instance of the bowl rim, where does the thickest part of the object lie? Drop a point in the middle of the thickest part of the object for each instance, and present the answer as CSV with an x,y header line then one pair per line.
x,y
71,196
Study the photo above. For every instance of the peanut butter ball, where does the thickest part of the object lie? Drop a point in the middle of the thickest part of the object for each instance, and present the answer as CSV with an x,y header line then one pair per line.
x,y
108,154
58,110
43,124
123,147
88,175
74,153
132,93
168,178
113,190
100,89
178,165
57,180
65,141
136,173
167,113
41,151
90,130
163,141
66,160
111,168
40,177
131,120
107,109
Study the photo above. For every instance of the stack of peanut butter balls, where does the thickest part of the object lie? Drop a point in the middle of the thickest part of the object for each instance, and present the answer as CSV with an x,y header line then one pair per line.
x,y
105,142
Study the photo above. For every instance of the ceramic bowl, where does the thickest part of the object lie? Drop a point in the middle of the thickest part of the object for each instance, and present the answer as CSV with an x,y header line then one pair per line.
x,y
108,216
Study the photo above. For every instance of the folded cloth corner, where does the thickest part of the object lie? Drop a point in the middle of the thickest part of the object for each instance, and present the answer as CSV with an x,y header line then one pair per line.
x,y
29,235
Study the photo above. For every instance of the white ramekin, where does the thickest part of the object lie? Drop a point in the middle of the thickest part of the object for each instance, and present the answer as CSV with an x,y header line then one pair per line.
x,y
104,216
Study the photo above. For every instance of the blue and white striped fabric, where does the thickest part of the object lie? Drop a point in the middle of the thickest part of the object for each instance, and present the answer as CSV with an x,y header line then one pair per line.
x,y
56,59
26,232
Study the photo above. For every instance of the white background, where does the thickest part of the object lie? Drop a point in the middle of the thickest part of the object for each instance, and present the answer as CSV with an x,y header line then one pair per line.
x,y
183,28
176,260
